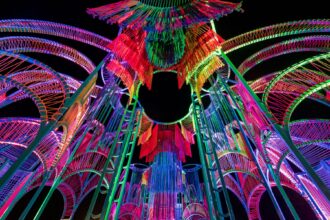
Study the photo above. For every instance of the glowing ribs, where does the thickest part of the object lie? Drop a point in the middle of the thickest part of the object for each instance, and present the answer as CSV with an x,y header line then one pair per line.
x,y
87,135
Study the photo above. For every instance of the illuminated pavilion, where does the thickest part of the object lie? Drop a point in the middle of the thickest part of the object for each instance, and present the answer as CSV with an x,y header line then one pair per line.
x,y
86,133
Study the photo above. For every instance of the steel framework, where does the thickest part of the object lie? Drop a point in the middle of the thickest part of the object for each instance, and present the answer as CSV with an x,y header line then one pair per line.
x,y
84,138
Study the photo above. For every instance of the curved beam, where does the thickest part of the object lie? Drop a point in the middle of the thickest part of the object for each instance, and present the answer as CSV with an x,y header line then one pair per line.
x,y
303,96
275,31
54,29
320,43
281,74
25,44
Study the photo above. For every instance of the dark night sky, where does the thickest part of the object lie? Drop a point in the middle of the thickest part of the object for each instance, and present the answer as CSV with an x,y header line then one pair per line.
x,y
257,13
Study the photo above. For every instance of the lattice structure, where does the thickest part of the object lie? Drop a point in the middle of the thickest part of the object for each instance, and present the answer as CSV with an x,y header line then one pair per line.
x,y
82,140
